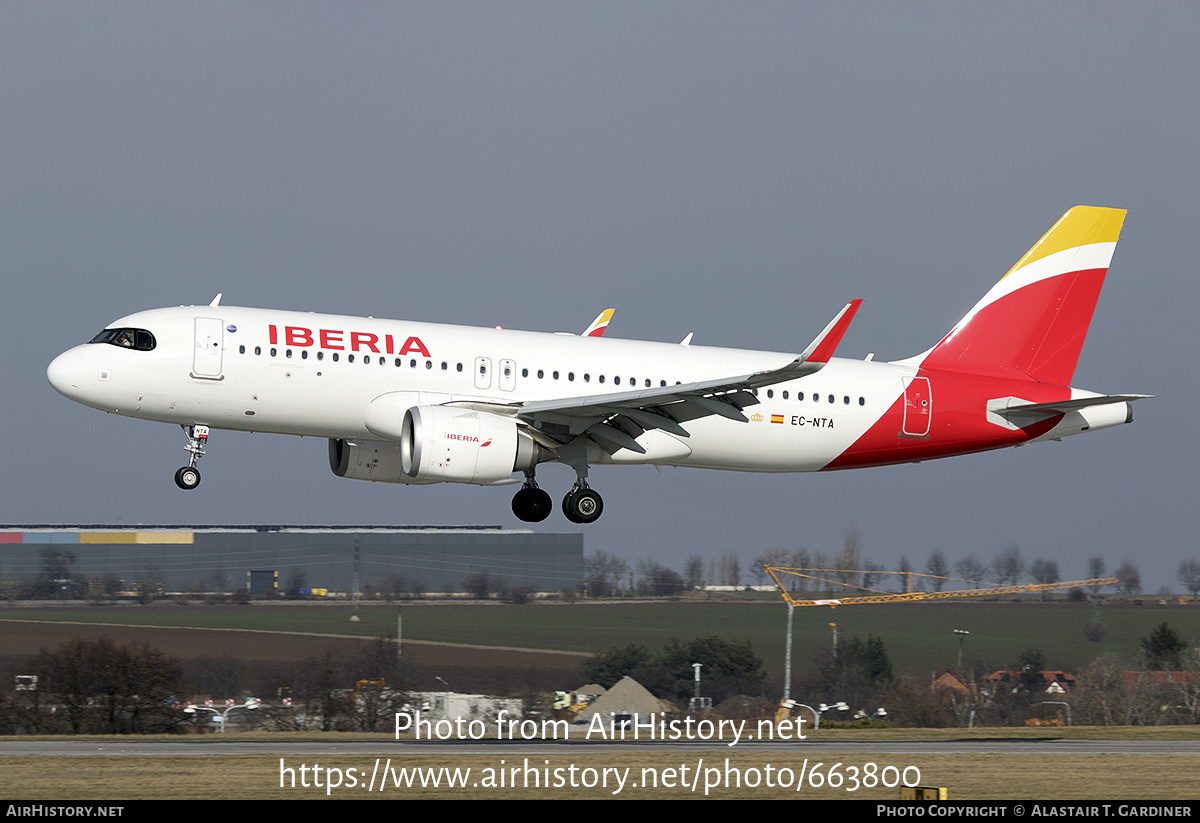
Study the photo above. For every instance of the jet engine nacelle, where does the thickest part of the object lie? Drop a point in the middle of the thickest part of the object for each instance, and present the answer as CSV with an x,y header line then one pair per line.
x,y
453,445
377,460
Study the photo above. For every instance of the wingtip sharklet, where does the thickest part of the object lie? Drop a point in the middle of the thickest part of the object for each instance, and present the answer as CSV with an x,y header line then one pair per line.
x,y
822,348
600,324
816,356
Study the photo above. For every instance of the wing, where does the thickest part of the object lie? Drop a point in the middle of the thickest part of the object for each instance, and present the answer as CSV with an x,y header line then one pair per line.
x,y
614,420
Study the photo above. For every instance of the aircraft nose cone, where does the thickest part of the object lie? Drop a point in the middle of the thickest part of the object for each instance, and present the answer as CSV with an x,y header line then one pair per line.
x,y
63,373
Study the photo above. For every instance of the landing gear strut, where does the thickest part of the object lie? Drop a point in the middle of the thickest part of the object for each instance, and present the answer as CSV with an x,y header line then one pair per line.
x,y
188,477
531,504
582,504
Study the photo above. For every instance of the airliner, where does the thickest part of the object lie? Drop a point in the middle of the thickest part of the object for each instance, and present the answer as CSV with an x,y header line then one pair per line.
x,y
419,403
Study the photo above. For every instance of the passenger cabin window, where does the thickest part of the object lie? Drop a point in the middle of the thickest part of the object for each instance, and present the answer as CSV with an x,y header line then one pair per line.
x,y
138,339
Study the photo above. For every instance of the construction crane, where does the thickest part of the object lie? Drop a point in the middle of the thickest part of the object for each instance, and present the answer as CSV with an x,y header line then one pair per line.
x,y
910,596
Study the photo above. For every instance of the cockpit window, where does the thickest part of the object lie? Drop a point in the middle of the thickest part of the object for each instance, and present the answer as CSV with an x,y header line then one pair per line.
x,y
139,339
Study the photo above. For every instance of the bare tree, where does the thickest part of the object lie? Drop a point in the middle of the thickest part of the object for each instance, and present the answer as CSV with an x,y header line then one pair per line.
x,y
1189,576
731,569
55,578
1129,579
800,560
1096,568
603,572
1188,685
820,561
872,572
1044,571
297,583
971,569
848,561
348,691
480,584
693,571
1104,698
937,567
101,687
1007,567
657,580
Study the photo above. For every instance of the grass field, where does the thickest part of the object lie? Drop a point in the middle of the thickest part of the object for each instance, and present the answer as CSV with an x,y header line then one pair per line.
x,y
918,636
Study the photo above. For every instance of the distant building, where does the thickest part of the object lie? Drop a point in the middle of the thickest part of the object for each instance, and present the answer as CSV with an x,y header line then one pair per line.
x,y
218,558
1179,678
430,707
1049,682
947,679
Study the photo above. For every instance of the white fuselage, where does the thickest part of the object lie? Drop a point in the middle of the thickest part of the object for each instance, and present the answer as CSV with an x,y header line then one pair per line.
x,y
317,375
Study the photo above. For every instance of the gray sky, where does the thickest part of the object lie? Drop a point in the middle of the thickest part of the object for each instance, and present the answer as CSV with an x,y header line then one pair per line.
x,y
739,170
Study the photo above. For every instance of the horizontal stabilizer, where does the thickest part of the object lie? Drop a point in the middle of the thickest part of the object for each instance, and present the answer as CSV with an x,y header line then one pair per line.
x,y
1078,414
1064,406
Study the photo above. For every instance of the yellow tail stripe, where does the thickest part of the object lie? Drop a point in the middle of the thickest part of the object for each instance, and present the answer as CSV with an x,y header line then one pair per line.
x,y
1080,226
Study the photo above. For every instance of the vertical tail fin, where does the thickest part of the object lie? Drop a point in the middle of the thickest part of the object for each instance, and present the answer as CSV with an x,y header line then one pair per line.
x,y
1033,322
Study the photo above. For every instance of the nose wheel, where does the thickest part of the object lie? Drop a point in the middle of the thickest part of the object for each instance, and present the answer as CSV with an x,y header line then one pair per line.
x,y
188,477
583,505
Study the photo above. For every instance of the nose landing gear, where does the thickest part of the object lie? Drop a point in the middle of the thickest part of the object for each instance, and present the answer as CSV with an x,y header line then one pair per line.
x,y
188,477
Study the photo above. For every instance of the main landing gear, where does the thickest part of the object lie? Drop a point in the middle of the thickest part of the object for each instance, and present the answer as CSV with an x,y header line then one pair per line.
x,y
531,504
582,504
188,477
